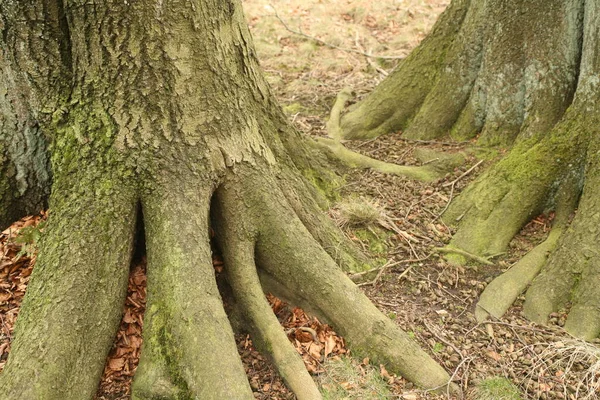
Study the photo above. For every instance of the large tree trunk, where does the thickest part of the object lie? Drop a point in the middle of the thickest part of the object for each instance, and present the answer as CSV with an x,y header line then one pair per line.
x,y
162,111
25,177
513,77
529,79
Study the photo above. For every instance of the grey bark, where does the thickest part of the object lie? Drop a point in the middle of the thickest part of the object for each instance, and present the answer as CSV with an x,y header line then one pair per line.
x,y
165,105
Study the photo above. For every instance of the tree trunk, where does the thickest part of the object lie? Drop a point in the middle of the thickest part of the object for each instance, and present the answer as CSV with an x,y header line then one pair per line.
x,y
513,78
530,80
25,176
165,112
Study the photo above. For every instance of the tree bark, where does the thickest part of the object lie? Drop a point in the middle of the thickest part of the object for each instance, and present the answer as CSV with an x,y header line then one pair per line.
x,y
165,109
528,80
25,98
511,78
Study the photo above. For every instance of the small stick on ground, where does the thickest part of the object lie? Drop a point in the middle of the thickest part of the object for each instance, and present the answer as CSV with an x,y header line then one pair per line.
x,y
306,329
481,260
382,270
467,172
441,339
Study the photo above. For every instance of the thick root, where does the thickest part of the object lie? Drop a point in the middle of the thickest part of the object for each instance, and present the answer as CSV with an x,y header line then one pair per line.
x,y
267,333
573,272
501,80
73,304
425,173
501,293
189,348
294,266
397,100
435,170
520,186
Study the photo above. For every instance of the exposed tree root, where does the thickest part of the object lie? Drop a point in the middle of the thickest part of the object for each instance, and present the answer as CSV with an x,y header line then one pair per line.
x,y
573,271
530,79
395,102
436,169
189,347
502,81
74,301
549,173
355,160
500,294
238,252
293,266
520,186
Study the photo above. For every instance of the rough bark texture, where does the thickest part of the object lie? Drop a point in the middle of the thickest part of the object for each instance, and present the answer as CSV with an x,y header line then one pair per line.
x,y
165,109
513,78
529,79
25,98
395,102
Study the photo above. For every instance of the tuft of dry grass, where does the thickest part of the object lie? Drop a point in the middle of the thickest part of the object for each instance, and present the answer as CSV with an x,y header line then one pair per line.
x,y
496,388
357,212
345,379
565,358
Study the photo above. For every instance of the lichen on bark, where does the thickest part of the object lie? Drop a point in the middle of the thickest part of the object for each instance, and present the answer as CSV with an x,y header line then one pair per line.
x,y
528,81
173,120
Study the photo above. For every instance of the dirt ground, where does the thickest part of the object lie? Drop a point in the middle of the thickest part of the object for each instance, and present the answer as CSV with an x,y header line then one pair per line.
x,y
310,50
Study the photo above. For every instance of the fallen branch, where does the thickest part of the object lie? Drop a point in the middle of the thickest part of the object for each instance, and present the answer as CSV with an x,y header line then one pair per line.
x,y
443,340
464,253
381,270
467,172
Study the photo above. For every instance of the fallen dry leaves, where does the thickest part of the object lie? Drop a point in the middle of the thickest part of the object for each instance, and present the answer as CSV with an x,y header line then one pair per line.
x,y
313,340
15,268
124,356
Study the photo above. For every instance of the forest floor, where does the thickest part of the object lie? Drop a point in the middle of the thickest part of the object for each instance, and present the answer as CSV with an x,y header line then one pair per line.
x,y
397,223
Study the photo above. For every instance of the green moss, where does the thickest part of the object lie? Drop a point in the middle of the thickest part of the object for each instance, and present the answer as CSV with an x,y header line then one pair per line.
x,y
327,183
375,238
496,388
293,108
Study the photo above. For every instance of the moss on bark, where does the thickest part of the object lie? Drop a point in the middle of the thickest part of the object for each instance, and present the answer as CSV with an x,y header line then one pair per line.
x,y
395,102
163,118
507,80
530,81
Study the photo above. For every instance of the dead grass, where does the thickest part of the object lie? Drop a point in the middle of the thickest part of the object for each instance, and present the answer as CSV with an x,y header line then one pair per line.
x,y
357,212
566,358
345,378
306,75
